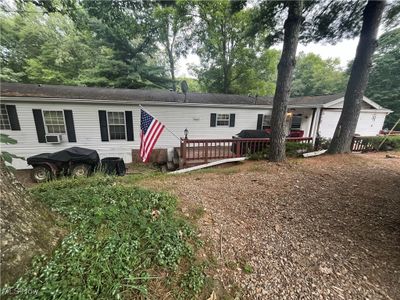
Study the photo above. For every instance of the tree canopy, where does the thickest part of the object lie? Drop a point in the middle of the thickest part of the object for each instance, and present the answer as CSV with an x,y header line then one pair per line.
x,y
137,44
315,76
383,86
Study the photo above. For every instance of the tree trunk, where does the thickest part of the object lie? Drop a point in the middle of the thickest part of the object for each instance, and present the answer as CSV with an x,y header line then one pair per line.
x,y
358,80
170,52
172,68
27,227
284,80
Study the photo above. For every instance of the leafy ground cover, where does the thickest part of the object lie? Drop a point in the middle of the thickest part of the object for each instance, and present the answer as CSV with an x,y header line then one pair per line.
x,y
125,242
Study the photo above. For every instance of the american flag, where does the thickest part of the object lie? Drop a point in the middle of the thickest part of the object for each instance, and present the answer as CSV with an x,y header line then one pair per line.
x,y
151,129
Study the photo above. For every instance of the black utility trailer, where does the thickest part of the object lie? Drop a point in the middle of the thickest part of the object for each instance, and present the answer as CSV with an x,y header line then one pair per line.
x,y
74,161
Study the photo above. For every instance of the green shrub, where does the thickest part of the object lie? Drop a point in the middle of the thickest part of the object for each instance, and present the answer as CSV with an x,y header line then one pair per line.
x,y
118,235
391,142
322,143
293,149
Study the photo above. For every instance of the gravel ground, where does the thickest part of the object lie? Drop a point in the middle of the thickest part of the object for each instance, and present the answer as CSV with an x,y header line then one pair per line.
x,y
319,228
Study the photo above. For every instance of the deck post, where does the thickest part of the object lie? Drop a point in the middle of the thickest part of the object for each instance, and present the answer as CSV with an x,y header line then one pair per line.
x,y
238,148
182,161
352,143
206,152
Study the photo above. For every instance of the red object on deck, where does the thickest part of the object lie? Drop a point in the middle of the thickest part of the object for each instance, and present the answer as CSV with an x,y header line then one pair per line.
x,y
296,133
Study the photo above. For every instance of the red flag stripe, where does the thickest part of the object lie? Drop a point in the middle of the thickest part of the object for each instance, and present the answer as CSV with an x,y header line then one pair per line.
x,y
154,140
150,133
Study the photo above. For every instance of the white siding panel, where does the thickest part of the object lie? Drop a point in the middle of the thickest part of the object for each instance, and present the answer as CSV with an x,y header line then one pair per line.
x,y
87,128
369,123
329,120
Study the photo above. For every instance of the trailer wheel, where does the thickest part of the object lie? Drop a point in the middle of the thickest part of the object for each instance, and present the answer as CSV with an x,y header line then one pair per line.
x,y
41,174
80,170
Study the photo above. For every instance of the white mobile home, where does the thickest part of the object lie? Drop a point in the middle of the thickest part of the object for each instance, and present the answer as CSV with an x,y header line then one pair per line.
x,y
46,118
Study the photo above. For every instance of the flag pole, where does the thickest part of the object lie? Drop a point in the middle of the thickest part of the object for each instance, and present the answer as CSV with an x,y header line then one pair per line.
x,y
141,107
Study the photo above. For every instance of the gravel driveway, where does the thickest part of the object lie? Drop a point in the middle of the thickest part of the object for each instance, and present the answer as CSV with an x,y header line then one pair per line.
x,y
322,228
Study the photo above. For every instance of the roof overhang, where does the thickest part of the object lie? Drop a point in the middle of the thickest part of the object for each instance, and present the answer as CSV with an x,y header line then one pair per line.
x,y
365,99
144,103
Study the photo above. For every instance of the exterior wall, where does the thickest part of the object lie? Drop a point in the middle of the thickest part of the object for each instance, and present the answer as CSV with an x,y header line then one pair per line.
x,y
369,122
176,117
305,120
87,127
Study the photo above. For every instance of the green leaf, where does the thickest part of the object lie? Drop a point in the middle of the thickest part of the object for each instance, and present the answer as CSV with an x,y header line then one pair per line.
x,y
5,139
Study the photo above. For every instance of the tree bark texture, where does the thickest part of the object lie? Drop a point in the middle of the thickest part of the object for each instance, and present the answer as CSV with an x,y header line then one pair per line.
x,y
285,71
358,80
28,228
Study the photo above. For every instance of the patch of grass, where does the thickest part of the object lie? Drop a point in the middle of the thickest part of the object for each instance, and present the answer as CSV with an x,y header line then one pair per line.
x,y
137,177
192,282
231,264
247,269
198,212
118,236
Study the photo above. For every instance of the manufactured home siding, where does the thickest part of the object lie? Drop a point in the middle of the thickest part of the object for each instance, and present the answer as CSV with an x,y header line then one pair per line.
x,y
87,127
369,122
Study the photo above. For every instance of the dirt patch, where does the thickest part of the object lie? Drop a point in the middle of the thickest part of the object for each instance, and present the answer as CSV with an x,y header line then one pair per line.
x,y
322,228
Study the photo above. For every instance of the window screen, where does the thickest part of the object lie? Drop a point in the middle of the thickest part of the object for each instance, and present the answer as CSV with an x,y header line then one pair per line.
x,y
296,122
266,122
116,124
54,121
4,119
222,119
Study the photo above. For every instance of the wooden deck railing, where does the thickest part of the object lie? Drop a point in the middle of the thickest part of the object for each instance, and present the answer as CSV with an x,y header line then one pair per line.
x,y
362,143
197,151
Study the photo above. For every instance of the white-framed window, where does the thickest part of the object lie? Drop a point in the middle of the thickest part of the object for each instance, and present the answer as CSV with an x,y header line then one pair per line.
x,y
266,124
54,121
116,125
4,119
296,122
223,119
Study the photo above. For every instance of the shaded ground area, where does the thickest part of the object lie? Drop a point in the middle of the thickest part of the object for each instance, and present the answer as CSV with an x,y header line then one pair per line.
x,y
321,228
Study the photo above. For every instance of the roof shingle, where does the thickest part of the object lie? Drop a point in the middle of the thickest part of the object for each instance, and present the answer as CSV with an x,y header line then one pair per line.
x,y
97,93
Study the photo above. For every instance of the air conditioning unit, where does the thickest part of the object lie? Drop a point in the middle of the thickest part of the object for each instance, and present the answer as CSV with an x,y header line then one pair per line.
x,y
53,138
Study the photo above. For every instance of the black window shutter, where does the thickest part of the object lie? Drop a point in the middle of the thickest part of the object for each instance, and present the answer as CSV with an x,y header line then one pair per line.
x,y
232,120
259,121
213,120
69,121
103,125
13,116
129,125
39,124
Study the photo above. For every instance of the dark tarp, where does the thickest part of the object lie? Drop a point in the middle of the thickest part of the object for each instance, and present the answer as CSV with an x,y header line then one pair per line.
x,y
75,154
253,134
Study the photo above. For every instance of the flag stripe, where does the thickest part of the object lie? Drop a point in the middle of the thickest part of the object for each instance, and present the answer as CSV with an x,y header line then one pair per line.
x,y
154,140
153,136
150,133
151,130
